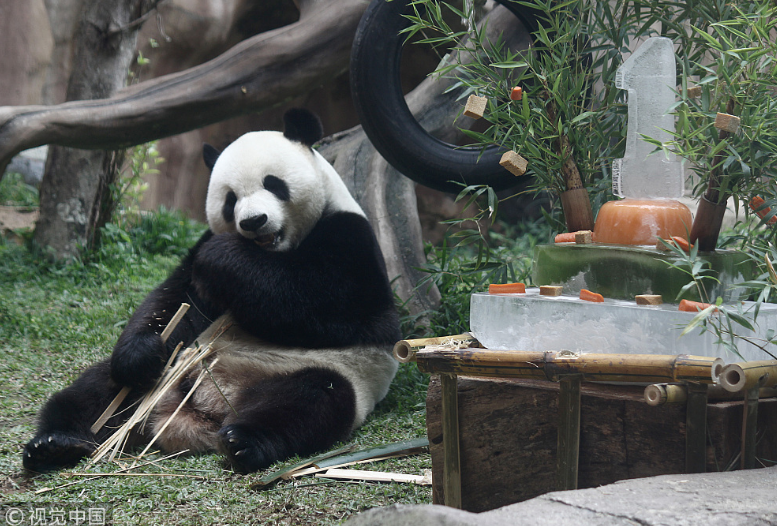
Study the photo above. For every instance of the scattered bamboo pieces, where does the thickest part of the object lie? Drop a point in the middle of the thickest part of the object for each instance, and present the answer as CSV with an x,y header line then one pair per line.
x,y
94,476
726,122
377,476
551,290
649,299
405,350
174,371
584,237
475,107
344,457
514,163
113,406
551,365
736,377
507,288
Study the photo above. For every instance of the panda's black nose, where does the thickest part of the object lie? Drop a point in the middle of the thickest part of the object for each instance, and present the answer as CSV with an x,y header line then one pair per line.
x,y
252,224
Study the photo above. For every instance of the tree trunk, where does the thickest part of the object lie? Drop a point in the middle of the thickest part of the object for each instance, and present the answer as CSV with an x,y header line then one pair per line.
x,y
75,190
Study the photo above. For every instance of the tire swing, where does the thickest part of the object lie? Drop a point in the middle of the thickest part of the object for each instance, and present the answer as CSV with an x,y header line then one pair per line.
x,y
389,124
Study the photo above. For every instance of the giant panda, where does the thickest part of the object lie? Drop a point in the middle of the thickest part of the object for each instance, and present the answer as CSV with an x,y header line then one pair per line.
x,y
293,268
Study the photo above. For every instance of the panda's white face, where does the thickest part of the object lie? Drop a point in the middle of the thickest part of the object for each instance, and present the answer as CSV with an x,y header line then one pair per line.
x,y
268,189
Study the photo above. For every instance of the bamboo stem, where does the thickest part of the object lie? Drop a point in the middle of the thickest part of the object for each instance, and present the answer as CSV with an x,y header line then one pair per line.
x,y
660,394
737,377
111,409
551,365
404,350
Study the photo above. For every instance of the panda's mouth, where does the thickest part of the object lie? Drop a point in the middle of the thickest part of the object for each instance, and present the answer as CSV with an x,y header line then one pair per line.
x,y
268,240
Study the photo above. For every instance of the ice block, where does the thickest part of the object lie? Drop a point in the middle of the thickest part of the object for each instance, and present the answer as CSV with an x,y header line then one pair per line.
x,y
532,322
649,76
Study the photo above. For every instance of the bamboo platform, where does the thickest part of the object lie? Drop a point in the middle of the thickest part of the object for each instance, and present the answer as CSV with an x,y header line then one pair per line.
x,y
476,470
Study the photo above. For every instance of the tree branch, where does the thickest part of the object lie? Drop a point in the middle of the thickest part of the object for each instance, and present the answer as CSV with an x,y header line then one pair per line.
x,y
258,73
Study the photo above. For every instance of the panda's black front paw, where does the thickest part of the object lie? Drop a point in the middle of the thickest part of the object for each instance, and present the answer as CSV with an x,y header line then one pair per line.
x,y
246,451
137,360
52,451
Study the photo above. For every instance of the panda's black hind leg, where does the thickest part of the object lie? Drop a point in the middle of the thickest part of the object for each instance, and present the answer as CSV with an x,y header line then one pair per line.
x,y
296,414
64,436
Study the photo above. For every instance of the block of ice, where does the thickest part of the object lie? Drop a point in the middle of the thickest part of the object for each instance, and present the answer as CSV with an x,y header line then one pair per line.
x,y
530,322
649,76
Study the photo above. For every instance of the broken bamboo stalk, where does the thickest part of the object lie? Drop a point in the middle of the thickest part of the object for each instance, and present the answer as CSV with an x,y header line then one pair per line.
x,y
404,350
375,476
114,405
550,365
737,377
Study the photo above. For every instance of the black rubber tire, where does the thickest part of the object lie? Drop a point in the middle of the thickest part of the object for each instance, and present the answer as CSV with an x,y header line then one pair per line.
x,y
389,124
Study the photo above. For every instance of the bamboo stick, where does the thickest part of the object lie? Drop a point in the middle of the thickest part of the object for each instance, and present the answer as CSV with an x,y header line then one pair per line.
x,y
660,394
111,409
550,365
375,476
483,362
742,376
404,350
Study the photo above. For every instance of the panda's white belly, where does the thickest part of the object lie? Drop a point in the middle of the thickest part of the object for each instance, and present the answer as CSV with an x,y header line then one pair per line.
x,y
244,360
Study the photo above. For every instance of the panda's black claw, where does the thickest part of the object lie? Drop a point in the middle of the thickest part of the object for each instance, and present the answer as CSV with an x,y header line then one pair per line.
x,y
244,449
55,451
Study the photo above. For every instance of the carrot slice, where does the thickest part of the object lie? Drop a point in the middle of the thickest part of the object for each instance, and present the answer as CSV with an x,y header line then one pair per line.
x,y
516,93
682,243
693,306
507,288
587,295
565,237
756,203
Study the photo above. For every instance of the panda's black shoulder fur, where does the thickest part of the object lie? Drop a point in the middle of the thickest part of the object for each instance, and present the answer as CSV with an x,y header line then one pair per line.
x,y
330,291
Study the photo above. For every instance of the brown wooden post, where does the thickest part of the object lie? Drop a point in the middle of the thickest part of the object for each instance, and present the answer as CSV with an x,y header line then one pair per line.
x,y
696,429
749,427
568,450
450,440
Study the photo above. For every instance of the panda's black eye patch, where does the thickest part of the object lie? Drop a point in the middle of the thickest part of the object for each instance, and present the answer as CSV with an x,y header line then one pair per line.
x,y
228,210
277,187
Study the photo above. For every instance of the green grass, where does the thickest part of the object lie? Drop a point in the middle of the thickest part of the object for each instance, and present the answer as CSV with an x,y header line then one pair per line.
x,y
56,319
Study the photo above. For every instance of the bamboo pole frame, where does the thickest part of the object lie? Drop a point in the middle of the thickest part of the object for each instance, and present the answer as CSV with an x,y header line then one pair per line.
x,y
405,350
736,377
551,365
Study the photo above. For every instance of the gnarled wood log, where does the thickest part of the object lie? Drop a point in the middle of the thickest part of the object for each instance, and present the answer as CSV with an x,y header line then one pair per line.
x,y
256,74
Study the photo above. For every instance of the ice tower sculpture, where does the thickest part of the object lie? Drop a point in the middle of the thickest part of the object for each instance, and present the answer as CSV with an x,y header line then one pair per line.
x,y
649,77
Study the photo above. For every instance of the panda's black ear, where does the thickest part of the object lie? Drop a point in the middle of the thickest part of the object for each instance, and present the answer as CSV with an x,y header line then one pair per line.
x,y
303,126
209,155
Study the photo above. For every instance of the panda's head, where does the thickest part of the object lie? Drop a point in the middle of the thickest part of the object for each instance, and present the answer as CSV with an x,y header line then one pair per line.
x,y
272,187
